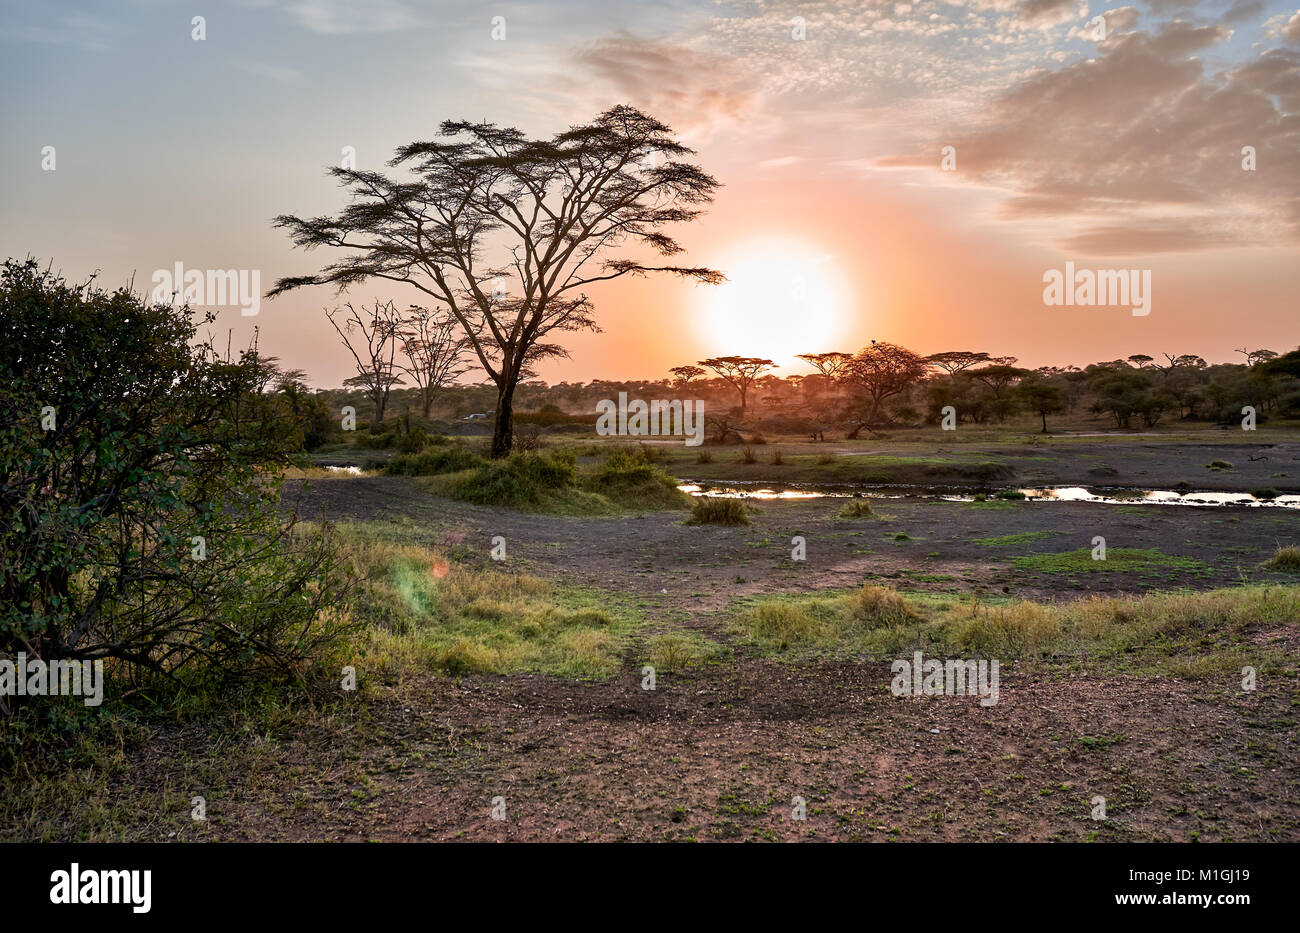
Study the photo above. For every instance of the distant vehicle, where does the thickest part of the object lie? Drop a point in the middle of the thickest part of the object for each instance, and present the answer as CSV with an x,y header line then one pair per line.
x,y
478,416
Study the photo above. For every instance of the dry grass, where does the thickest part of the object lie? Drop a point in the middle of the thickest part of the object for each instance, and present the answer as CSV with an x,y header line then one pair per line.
x,y
719,511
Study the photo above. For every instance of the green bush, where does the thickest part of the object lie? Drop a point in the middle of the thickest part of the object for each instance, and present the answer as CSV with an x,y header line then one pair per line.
x,y
518,481
140,520
412,443
368,441
629,477
432,462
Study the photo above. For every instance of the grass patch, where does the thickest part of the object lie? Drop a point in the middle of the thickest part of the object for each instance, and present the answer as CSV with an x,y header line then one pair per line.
x,y
433,462
782,623
1023,537
1118,560
630,478
1284,560
679,650
1191,635
626,481
718,511
427,613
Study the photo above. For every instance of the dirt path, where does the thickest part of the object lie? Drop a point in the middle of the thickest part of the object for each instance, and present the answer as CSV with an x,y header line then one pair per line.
x,y
701,568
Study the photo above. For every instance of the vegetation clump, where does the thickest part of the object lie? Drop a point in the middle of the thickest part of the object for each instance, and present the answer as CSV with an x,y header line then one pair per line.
x,y
857,508
433,462
709,510
1284,560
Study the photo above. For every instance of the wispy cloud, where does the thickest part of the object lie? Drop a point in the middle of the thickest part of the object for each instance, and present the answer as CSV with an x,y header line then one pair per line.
x,y
345,17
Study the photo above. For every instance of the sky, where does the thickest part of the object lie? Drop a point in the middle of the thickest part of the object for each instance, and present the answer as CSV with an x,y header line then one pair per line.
x,y
843,217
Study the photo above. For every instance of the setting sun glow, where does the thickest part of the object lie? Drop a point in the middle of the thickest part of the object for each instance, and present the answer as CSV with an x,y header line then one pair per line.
x,y
780,299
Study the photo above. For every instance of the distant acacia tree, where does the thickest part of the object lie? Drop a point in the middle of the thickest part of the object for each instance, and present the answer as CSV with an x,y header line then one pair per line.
x,y
739,372
883,370
1041,398
998,377
1257,356
434,349
955,361
685,374
372,337
828,364
505,231
1187,359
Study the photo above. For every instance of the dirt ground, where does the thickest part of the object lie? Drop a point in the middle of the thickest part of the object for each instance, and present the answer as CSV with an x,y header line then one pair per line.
x,y
702,568
721,752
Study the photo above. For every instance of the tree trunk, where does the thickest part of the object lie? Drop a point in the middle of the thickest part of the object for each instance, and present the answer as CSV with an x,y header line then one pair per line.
x,y
1044,414
428,403
503,433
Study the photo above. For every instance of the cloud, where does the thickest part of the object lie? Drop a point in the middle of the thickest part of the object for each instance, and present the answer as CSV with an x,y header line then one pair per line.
x,y
1243,10
1291,31
1138,150
1050,12
695,91
1123,19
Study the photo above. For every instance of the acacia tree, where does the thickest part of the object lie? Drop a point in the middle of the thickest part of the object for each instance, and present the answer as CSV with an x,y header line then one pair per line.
x,y
828,364
505,231
739,372
998,377
372,338
955,361
1041,398
434,348
883,370
685,374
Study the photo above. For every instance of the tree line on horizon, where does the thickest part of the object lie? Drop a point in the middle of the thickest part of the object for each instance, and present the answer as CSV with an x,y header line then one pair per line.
x,y
886,384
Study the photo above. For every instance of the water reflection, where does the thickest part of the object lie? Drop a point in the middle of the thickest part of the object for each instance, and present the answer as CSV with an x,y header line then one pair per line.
x,y
1113,496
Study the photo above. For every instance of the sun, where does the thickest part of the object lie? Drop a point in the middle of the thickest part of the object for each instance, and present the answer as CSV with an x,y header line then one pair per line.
x,y
780,299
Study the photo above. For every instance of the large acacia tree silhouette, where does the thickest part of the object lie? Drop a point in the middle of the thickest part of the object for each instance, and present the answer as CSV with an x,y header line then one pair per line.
x,y
505,231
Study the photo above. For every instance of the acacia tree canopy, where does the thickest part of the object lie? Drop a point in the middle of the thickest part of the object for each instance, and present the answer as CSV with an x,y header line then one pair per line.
x,y
505,231
739,372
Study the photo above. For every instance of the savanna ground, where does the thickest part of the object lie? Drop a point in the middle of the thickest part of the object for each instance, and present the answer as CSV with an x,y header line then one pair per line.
x,y
523,678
